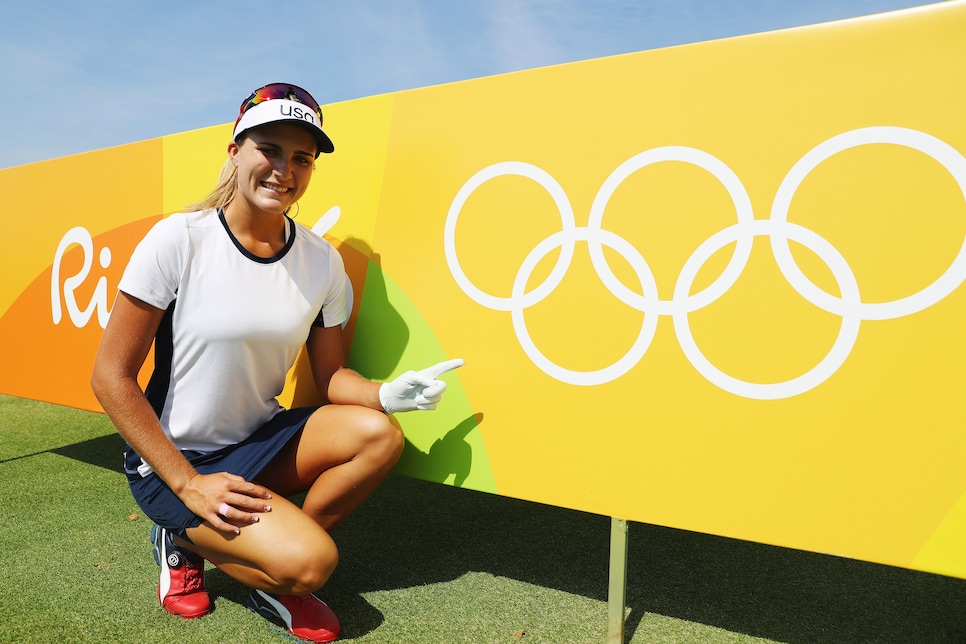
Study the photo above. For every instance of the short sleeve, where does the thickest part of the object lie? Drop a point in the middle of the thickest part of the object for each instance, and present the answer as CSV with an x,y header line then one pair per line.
x,y
335,308
154,271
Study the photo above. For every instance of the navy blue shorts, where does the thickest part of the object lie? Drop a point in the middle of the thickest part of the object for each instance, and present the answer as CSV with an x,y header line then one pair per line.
x,y
246,459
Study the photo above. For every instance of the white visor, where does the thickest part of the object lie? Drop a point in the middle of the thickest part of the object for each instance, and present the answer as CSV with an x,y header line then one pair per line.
x,y
281,109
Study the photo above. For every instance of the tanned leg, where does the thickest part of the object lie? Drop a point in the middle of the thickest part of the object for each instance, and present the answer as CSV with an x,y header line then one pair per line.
x,y
341,456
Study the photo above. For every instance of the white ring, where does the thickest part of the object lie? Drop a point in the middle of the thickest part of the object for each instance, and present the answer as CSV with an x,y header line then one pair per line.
x,y
743,210
648,328
944,154
566,219
840,350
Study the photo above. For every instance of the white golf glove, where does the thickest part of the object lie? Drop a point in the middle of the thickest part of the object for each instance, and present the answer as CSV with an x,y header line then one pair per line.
x,y
416,389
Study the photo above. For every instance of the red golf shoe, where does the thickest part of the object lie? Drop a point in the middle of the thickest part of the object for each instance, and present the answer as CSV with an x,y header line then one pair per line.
x,y
305,616
181,589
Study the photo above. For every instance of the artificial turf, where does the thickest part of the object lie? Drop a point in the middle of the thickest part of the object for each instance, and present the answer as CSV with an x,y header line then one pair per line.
x,y
423,563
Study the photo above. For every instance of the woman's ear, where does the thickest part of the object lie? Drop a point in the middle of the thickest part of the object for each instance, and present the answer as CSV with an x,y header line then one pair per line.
x,y
233,153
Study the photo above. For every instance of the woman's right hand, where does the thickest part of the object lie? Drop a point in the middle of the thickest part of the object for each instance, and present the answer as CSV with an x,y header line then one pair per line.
x,y
226,501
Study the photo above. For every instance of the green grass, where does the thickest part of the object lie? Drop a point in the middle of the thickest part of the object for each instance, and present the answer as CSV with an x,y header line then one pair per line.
x,y
423,562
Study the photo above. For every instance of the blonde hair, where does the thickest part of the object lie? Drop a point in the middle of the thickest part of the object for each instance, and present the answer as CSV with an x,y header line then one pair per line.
x,y
225,190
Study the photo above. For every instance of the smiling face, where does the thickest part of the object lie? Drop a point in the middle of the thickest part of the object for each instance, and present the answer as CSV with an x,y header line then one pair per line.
x,y
275,164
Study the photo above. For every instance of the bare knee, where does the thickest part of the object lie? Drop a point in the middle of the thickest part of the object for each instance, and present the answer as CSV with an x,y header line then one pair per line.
x,y
303,567
383,437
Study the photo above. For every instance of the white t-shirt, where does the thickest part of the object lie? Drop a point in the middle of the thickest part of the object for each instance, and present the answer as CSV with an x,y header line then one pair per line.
x,y
234,322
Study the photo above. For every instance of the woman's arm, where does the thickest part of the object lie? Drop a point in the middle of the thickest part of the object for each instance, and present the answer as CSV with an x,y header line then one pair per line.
x,y
340,385
335,381
123,349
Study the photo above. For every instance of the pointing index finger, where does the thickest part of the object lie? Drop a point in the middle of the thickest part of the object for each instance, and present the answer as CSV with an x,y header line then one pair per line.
x,y
439,369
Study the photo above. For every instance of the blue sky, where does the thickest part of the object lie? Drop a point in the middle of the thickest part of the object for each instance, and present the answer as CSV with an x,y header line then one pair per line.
x,y
83,75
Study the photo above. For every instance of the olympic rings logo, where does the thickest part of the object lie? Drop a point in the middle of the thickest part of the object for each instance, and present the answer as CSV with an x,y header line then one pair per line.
x,y
776,228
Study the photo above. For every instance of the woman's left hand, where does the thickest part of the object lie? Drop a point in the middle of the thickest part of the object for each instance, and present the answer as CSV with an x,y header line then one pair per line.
x,y
416,389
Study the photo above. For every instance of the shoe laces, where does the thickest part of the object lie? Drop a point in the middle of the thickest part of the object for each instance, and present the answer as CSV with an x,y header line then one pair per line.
x,y
194,576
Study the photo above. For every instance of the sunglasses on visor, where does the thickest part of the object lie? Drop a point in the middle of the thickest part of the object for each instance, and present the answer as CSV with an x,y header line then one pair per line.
x,y
277,91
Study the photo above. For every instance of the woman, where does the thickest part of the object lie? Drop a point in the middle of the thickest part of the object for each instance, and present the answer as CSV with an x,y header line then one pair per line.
x,y
230,292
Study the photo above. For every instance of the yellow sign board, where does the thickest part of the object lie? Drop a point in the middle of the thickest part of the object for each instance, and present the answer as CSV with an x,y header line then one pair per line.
x,y
717,287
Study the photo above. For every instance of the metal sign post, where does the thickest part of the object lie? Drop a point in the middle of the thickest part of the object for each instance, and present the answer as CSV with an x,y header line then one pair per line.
x,y
617,586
